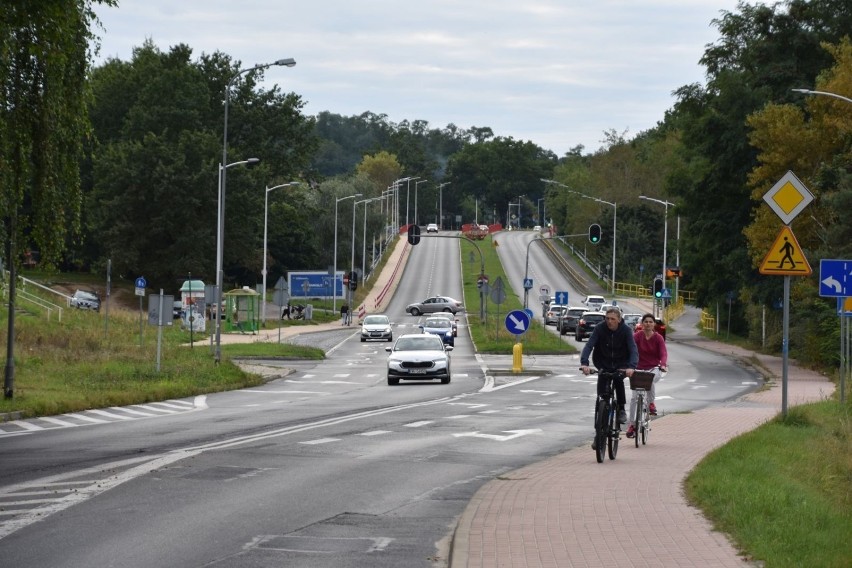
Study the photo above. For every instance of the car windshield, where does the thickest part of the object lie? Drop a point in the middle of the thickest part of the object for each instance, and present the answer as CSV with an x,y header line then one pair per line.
x,y
430,343
375,320
437,322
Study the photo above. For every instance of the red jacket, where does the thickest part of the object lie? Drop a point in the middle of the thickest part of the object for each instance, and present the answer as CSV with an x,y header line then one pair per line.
x,y
652,352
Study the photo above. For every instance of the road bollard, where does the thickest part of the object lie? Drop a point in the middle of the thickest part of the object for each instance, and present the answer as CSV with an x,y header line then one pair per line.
x,y
517,357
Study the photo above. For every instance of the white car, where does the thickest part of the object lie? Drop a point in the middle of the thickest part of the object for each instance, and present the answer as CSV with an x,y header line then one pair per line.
x,y
376,327
431,228
419,357
594,302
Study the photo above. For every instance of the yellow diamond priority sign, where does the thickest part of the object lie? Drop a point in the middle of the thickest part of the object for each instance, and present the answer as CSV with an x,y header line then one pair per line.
x,y
788,197
785,257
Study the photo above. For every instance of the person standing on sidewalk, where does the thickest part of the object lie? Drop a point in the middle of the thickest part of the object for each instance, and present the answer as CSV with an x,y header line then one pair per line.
x,y
345,315
653,357
612,348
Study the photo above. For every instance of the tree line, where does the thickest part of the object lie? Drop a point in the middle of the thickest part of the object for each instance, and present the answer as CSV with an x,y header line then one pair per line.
x,y
122,161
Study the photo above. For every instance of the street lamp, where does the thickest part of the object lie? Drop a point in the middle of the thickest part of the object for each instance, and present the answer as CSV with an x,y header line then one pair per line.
x,y
265,221
288,62
824,93
334,275
540,213
416,185
441,205
220,245
408,194
614,221
665,231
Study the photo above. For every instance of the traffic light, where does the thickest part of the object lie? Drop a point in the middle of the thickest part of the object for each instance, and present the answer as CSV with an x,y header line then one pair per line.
x,y
353,280
413,234
658,287
594,233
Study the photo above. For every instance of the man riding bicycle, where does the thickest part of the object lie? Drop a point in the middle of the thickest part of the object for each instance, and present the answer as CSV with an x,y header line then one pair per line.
x,y
612,348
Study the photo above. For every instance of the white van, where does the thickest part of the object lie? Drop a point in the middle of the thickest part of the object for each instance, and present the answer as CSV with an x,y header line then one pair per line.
x,y
594,303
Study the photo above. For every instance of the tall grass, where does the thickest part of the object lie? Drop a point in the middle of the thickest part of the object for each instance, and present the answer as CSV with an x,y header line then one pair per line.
x,y
784,491
86,362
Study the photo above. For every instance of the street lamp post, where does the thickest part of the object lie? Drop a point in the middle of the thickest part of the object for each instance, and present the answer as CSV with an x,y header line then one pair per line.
x,y
441,205
408,195
416,185
614,221
288,62
824,93
665,231
334,275
220,246
265,223
364,237
540,213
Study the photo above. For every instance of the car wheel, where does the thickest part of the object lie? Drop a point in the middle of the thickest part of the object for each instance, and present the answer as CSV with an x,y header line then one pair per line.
x,y
363,340
448,310
415,312
445,380
393,381
390,338
578,337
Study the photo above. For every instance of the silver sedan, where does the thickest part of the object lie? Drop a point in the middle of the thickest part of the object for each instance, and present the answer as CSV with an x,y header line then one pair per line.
x,y
435,304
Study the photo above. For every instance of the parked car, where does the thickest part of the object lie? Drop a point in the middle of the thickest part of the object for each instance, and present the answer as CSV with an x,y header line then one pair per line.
x,y
568,323
431,228
440,327
376,327
594,302
586,324
450,318
553,313
177,309
435,304
659,327
86,300
420,356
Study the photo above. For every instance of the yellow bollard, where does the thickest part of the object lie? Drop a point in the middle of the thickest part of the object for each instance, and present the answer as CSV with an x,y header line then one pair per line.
x,y
517,357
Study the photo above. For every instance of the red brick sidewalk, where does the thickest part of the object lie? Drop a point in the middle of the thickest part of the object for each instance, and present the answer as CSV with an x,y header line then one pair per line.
x,y
570,511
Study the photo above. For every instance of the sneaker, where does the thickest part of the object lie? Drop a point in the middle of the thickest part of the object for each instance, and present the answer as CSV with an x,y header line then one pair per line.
x,y
652,408
622,417
631,431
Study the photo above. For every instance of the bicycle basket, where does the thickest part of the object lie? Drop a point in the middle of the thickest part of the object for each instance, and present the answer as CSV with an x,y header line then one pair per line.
x,y
641,380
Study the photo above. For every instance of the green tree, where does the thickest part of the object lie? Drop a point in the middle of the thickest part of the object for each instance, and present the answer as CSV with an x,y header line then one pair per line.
x,y
44,59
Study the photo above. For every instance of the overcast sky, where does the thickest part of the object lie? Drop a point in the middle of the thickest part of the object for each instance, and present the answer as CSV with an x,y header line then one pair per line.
x,y
556,73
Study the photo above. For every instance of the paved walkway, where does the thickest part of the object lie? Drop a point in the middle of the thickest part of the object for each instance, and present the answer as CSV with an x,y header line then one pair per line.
x,y
550,514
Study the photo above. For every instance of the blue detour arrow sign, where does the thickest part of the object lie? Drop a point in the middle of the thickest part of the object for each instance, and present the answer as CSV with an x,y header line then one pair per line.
x,y
517,322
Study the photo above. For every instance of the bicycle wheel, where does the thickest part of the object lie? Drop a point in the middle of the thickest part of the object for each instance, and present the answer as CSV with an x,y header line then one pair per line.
x,y
639,425
646,423
601,415
613,430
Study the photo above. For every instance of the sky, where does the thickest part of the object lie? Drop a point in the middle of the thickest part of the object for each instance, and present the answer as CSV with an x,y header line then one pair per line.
x,y
556,73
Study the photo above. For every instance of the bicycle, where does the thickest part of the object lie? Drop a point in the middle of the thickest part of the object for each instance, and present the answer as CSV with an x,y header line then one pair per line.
x,y
607,428
641,382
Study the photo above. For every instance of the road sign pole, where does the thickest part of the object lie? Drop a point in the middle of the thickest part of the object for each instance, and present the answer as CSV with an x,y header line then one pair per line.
x,y
785,346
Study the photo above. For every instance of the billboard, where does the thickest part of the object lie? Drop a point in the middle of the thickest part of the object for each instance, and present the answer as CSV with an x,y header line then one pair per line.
x,y
315,284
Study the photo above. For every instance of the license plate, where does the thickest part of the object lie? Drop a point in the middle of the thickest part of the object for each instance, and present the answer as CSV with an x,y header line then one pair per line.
x,y
418,371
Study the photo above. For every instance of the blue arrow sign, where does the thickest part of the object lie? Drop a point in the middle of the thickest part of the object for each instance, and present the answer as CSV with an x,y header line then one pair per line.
x,y
517,322
562,298
835,278
527,283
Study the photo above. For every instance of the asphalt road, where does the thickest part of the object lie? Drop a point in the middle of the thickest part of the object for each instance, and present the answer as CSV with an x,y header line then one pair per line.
x,y
326,466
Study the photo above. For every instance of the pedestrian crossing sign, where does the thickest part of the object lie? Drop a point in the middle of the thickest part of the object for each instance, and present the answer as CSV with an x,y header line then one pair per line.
x,y
785,257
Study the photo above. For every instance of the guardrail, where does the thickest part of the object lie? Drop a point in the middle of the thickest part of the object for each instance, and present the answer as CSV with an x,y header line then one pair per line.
x,y
391,283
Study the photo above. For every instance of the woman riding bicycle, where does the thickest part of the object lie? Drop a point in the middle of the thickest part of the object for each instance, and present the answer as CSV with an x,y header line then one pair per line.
x,y
653,357
612,347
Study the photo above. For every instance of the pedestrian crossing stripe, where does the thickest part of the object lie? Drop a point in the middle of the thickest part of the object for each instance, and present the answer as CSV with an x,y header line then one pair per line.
x,y
785,256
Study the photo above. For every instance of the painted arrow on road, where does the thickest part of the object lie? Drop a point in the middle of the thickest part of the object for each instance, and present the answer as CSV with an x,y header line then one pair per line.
x,y
542,393
511,434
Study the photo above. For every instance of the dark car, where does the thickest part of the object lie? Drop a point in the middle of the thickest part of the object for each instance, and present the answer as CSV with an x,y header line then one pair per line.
x,y
568,323
586,324
659,327
85,300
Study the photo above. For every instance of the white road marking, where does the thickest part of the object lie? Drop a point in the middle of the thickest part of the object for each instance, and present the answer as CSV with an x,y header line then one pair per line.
x,y
319,441
375,433
419,424
510,435
542,393
58,422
